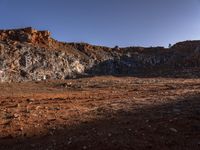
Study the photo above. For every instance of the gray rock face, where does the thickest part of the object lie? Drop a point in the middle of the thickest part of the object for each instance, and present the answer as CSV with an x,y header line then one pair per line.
x,y
29,63
34,56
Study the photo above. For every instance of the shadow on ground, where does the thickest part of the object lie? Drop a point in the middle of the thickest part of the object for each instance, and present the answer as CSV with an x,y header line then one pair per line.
x,y
170,126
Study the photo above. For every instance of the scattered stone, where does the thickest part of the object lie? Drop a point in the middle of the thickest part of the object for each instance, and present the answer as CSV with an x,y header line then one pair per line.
x,y
16,115
69,142
30,100
21,129
51,119
173,130
37,107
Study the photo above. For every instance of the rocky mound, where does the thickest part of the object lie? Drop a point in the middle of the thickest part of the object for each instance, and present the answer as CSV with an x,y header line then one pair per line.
x,y
27,54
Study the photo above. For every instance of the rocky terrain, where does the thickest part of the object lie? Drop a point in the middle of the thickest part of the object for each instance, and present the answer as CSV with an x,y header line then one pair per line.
x,y
121,98
101,113
31,55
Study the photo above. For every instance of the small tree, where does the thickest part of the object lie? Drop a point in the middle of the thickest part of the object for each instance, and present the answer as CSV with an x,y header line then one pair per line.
x,y
116,47
170,45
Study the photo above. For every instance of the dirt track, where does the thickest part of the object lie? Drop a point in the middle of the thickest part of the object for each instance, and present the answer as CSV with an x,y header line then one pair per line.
x,y
101,113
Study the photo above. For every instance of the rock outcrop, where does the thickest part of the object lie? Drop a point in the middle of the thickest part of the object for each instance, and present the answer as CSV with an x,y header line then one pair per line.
x,y
28,35
27,55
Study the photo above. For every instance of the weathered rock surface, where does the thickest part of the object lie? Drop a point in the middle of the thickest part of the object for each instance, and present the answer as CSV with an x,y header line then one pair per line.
x,y
27,54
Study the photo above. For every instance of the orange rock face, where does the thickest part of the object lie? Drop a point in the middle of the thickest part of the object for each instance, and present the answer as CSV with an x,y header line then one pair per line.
x,y
28,35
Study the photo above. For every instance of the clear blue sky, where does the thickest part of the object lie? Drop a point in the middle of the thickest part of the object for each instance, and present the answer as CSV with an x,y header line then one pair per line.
x,y
107,22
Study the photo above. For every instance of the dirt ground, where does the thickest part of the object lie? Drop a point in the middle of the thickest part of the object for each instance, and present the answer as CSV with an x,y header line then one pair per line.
x,y
101,113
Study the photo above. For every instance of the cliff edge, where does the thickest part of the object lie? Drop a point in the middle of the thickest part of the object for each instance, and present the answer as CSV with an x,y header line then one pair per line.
x,y
30,55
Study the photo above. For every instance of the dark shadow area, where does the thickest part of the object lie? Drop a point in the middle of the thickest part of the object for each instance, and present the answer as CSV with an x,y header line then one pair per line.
x,y
128,67
175,125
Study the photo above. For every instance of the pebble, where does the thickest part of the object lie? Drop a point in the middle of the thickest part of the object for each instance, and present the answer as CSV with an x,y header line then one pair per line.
x,y
15,115
37,107
69,142
30,100
17,105
173,130
21,129
51,119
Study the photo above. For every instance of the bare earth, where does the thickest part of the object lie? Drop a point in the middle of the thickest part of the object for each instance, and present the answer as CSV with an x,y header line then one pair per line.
x,y
101,113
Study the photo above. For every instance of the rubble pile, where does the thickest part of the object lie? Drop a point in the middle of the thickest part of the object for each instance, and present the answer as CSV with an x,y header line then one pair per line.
x,y
31,55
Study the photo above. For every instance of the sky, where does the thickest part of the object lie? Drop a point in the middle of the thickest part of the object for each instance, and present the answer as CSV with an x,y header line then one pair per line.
x,y
107,22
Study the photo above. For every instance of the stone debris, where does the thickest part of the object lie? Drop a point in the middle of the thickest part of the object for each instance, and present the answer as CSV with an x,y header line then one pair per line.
x,y
108,116
173,130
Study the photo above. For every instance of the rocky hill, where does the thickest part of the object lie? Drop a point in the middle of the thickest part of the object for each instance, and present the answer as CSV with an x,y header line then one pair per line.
x,y
31,55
